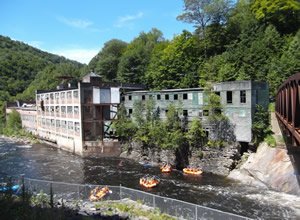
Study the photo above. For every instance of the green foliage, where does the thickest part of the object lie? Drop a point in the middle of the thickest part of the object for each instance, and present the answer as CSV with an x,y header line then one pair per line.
x,y
13,124
222,130
134,210
136,57
260,124
201,13
271,107
125,128
270,140
106,62
175,66
20,64
196,135
40,200
284,14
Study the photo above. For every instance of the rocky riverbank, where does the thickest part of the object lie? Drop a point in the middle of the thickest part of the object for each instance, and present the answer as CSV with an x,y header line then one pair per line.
x,y
118,209
211,159
270,168
23,140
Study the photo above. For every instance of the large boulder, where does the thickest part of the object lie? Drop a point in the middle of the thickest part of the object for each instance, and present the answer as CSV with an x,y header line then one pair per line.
x,y
269,167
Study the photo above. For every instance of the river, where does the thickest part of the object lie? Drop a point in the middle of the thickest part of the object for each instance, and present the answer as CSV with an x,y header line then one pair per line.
x,y
48,163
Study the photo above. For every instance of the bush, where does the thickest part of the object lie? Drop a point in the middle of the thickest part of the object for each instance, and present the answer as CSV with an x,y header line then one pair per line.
x,y
41,200
270,140
13,124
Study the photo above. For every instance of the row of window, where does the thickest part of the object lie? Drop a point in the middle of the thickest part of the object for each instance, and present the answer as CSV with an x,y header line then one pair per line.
x,y
29,118
58,95
184,112
63,124
184,96
61,109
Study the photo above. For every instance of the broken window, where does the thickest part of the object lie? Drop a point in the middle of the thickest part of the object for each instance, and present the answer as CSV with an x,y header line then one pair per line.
x,y
229,97
243,96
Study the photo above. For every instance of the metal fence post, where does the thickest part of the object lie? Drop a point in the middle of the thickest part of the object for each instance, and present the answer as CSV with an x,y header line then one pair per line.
x,y
196,210
78,192
153,201
120,187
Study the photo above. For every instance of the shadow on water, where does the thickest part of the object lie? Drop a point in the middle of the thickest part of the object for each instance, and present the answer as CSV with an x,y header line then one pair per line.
x,y
210,190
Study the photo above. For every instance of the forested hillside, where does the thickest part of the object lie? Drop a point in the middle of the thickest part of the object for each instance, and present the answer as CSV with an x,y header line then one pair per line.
x,y
251,39
23,67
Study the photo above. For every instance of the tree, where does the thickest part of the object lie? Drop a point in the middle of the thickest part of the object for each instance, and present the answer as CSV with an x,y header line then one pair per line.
x,y
177,64
196,135
221,129
261,124
13,123
241,19
106,62
204,12
283,14
135,59
285,66
124,127
174,133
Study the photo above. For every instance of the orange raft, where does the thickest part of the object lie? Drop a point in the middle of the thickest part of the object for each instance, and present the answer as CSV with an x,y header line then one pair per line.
x,y
166,168
194,171
98,193
149,182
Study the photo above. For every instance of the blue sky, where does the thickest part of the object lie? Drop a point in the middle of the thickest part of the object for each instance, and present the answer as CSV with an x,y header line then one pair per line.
x,y
78,29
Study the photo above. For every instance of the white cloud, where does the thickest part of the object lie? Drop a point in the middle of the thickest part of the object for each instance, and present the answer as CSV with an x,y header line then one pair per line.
x,y
77,23
81,55
127,20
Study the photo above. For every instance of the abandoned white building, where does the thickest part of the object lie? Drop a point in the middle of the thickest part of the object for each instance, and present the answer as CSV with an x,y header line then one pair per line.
x,y
79,118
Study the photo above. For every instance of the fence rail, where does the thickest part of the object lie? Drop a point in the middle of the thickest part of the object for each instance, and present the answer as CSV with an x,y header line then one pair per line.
x,y
173,207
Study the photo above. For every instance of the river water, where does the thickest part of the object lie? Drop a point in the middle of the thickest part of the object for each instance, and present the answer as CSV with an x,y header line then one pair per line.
x,y
47,163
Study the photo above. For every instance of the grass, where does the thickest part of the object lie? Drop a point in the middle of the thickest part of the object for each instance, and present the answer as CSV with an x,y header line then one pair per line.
x,y
135,209
270,140
271,107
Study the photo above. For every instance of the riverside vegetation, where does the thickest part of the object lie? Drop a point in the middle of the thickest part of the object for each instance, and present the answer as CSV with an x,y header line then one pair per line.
x,y
244,40
232,40
42,206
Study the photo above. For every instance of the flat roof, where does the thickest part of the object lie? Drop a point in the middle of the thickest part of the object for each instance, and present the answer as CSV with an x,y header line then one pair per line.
x,y
166,90
54,90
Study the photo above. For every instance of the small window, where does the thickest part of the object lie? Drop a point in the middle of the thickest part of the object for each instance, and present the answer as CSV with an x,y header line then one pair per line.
x,y
123,98
185,96
130,111
129,97
175,96
185,113
218,93
75,94
205,113
143,97
243,96
166,96
158,96
229,97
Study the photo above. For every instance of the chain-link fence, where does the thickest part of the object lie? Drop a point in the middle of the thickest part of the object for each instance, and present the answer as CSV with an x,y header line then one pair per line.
x,y
173,207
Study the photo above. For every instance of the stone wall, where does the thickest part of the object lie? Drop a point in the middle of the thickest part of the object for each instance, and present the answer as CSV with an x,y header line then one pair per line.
x,y
213,159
